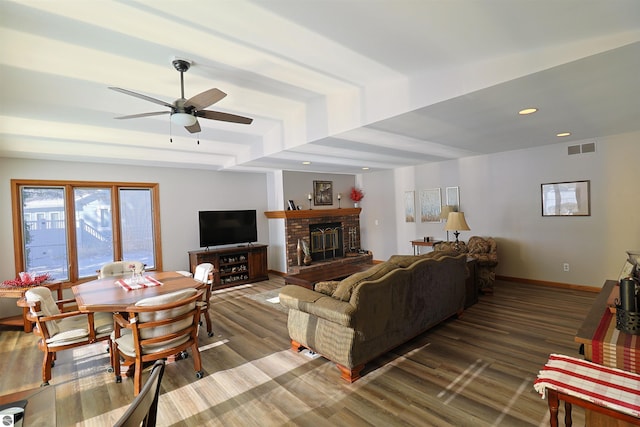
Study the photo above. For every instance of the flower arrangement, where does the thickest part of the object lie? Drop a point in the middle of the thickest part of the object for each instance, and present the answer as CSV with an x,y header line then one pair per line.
x,y
27,279
356,194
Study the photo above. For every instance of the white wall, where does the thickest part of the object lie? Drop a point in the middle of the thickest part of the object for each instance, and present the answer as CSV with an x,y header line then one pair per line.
x,y
298,185
183,192
500,195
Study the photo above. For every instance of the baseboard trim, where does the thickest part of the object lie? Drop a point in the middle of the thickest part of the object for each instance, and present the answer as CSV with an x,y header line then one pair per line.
x,y
551,284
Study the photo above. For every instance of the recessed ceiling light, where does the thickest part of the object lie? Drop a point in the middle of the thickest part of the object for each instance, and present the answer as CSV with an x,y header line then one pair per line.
x,y
365,169
561,134
527,111
306,163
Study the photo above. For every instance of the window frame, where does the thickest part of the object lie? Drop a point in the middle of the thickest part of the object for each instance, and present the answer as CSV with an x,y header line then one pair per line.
x,y
69,216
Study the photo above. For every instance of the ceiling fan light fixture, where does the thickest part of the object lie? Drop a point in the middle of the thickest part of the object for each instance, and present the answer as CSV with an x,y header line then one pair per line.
x,y
183,119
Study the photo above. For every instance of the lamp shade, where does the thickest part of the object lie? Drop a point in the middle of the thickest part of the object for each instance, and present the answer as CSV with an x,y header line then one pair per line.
x,y
183,119
456,222
444,213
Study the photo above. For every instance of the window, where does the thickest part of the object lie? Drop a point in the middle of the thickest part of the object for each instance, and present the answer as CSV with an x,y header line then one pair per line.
x,y
70,229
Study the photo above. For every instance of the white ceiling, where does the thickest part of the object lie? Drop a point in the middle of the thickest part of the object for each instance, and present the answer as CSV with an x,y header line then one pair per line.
x,y
344,84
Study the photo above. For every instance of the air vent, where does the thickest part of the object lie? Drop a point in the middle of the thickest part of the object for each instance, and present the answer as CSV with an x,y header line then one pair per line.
x,y
589,147
574,149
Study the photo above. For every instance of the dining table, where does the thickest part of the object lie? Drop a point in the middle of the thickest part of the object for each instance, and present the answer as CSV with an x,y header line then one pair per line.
x,y
109,294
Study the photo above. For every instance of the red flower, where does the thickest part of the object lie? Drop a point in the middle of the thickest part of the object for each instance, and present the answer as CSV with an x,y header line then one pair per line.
x,y
26,279
356,194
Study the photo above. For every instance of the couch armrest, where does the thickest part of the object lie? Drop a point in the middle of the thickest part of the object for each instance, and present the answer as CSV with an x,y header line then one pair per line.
x,y
317,304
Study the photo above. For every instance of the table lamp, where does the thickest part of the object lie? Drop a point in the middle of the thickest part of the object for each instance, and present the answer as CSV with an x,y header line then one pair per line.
x,y
456,222
444,214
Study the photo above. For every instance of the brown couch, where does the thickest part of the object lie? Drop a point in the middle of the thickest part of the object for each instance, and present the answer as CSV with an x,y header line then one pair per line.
x,y
485,251
355,320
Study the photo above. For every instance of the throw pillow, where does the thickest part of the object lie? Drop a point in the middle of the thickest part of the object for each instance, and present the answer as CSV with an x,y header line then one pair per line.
x,y
327,288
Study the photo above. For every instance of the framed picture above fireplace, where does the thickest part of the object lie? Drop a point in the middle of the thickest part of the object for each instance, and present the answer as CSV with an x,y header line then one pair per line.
x,y
322,193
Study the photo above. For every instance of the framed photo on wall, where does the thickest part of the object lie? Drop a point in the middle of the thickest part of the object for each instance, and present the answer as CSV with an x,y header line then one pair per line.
x,y
322,193
409,206
566,198
453,198
430,205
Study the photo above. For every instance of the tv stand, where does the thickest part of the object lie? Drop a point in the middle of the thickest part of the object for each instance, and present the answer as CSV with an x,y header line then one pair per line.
x,y
233,266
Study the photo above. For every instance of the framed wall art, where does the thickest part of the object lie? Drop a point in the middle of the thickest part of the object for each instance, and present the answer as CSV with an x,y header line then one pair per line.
x,y
322,193
430,205
566,198
409,206
453,197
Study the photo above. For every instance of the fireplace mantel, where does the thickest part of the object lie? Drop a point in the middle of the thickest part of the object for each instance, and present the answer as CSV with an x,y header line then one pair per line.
x,y
312,213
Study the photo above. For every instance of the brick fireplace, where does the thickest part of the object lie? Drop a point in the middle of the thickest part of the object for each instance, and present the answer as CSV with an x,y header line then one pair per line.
x,y
300,224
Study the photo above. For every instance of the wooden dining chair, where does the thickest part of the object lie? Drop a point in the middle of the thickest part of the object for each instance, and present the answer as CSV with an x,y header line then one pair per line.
x,y
204,274
59,330
119,268
157,328
143,410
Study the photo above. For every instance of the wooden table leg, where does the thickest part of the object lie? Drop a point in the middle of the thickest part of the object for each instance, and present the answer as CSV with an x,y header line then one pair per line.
x,y
552,398
568,422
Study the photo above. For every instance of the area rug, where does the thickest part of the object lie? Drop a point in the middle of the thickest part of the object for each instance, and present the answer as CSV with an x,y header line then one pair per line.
x,y
270,299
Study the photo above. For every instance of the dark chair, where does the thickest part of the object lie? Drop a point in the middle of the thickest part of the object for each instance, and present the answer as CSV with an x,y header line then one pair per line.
x,y
144,408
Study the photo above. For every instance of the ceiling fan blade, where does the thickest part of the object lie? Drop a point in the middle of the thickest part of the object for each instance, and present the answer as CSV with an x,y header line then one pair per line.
x,y
195,128
135,116
141,96
224,117
204,99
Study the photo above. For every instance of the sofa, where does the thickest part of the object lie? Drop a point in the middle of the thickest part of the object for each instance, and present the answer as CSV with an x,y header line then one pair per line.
x,y
485,251
363,316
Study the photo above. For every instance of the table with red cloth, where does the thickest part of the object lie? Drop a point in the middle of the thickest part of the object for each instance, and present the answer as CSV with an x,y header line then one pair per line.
x,y
613,348
609,391
603,343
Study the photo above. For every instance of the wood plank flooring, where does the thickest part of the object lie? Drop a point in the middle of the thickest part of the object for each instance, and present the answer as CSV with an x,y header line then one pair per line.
x,y
473,371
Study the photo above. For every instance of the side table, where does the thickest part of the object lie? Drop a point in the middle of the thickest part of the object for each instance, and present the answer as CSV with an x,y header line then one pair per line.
x,y
417,243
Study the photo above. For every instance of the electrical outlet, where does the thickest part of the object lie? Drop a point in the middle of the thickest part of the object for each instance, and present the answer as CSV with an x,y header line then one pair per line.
x,y
565,266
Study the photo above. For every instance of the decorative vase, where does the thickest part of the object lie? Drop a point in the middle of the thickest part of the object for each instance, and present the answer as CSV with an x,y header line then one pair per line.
x,y
356,204
307,260
299,252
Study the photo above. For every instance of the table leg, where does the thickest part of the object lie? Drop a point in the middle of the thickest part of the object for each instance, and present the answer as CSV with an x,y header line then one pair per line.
x,y
568,422
552,398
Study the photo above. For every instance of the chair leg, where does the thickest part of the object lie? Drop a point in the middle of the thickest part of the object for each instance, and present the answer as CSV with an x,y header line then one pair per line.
x,y
137,378
207,318
197,361
47,361
115,361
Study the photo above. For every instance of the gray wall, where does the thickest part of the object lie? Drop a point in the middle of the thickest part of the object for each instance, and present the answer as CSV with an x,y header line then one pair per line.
x,y
500,195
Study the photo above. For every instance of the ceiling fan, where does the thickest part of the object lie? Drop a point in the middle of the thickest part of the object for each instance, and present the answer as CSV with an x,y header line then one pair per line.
x,y
185,112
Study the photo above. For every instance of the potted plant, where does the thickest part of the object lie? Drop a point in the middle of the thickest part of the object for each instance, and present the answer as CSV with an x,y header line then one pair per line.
x,y
356,195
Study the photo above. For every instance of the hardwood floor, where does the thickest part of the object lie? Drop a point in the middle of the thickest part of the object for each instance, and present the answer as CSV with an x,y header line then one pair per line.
x,y
473,371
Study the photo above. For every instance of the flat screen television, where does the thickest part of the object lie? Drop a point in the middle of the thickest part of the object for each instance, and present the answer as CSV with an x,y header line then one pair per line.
x,y
227,227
